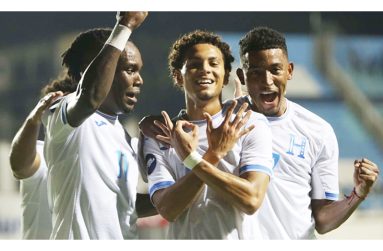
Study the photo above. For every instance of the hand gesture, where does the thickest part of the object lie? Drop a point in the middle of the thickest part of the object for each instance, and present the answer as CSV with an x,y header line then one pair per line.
x,y
183,137
44,103
222,139
131,19
366,173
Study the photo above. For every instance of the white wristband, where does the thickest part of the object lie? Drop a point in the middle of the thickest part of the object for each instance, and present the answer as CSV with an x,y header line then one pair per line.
x,y
192,160
119,36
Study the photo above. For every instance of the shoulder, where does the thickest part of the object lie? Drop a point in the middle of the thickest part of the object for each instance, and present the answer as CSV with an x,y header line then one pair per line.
x,y
304,113
311,119
258,118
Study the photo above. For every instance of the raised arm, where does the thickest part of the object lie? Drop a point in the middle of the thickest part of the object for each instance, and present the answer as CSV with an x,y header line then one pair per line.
x,y
23,157
329,215
98,78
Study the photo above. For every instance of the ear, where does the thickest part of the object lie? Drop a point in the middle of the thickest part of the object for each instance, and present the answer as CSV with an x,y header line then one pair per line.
x,y
178,79
241,75
226,79
290,70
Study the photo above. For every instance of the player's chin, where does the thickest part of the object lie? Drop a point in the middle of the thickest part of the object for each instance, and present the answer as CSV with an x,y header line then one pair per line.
x,y
127,108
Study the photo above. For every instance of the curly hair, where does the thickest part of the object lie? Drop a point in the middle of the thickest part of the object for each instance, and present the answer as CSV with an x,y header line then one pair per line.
x,y
83,50
65,83
262,38
76,58
178,50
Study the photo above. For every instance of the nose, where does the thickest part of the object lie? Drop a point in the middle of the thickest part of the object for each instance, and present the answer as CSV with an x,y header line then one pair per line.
x,y
205,67
138,80
269,78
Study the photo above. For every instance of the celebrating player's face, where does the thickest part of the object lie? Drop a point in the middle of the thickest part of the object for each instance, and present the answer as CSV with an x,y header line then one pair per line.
x,y
266,76
203,73
127,80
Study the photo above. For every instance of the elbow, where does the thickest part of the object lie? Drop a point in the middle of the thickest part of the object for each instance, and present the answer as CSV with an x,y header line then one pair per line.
x,y
168,217
321,228
15,161
168,213
251,206
12,160
15,166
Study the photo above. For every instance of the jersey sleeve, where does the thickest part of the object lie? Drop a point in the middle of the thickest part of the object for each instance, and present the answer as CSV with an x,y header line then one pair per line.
x,y
257,147
324,180
157,167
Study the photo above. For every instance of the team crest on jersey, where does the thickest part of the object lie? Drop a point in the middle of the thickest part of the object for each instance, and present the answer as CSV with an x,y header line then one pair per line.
x,y
100,123
151,162
297,146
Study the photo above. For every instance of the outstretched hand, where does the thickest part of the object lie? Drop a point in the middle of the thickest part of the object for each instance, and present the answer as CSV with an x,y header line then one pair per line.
x,y
366,173
183,136
44,103
223,138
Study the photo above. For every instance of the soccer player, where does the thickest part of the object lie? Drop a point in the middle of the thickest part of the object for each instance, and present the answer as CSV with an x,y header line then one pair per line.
x,y
26,156
219,166
303,194
93,172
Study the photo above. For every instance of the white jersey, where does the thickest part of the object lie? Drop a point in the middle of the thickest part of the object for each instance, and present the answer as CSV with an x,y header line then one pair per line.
x,y
36,219
210,216
305,152
92,177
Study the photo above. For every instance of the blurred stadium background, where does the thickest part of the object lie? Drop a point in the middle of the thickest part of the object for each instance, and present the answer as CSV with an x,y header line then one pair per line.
x,y
338,74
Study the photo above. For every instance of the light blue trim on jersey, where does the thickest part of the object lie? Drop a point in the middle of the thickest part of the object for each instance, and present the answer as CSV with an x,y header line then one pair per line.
x,y
331,196
258,168
160,185
63,113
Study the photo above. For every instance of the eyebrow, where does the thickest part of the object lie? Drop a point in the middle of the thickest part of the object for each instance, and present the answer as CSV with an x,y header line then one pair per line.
x,y
199,58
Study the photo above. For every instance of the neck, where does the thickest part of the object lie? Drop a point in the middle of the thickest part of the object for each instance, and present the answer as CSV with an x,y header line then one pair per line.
x,y
195,111
105,109
283,107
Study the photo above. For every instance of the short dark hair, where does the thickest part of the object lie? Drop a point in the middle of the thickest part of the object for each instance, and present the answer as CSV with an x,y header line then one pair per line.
x,y
178,51
76,58
262,38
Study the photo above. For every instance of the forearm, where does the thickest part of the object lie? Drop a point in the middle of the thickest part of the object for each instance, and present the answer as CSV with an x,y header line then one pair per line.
x,y
99,76
245,194
23,157
144,206
330,216
171,202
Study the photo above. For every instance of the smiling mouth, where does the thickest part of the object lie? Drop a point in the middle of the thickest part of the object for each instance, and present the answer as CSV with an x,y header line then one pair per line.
x,y
268,96
205,82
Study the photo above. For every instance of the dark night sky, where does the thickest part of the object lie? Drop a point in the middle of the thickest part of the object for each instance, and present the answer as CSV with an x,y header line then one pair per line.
x,y
24,27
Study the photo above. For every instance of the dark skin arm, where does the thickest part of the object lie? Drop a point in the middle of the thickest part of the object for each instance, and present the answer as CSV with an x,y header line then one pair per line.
x,y
144,206
329,215
98,78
